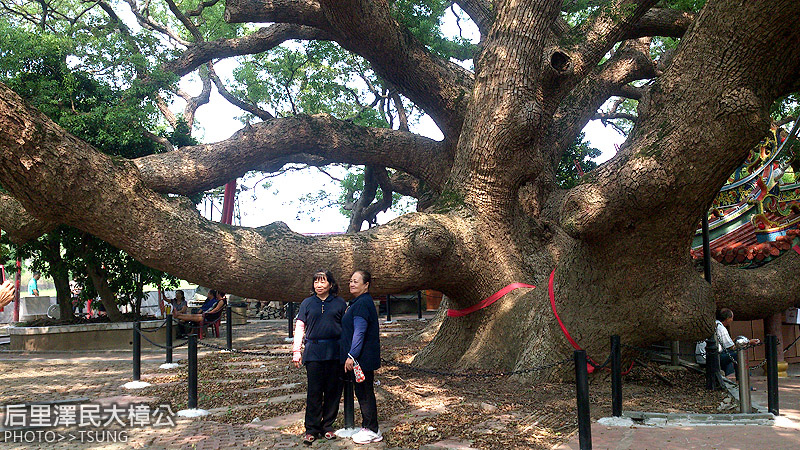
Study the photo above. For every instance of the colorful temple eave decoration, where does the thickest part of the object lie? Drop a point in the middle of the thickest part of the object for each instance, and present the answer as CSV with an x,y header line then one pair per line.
x,y
755,218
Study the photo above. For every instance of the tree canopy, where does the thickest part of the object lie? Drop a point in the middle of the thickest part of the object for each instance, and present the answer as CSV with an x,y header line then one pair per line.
x,y
695,85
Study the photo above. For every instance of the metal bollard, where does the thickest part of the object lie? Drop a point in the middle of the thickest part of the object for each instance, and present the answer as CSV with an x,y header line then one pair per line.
x,y
743,373
772,374
137,352
712,365
168,342
192,388
419,304
229,327
616,377
349,403
582,395
388,308
290,316
675,350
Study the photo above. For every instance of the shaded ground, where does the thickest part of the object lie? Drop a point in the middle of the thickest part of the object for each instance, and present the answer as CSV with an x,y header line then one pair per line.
x,y
258,401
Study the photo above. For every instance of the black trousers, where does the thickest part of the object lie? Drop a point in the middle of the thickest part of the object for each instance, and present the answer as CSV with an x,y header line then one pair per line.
x,y
365,393
324,392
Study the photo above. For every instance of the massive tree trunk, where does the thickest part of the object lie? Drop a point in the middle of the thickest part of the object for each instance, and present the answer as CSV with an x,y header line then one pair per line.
x,y
614,251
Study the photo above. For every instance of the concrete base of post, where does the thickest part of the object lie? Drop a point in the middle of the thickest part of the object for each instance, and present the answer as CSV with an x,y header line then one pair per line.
x,y
194,412
288,339
346,432
135,385
169,366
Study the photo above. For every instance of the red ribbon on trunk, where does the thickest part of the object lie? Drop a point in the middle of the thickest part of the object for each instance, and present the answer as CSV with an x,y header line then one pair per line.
x,y
493,298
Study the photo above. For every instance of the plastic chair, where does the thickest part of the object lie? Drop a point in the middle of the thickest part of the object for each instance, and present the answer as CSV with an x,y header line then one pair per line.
x,y
213,324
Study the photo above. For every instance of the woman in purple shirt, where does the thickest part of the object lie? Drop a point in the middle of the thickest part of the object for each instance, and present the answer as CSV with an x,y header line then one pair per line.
x,y
361,342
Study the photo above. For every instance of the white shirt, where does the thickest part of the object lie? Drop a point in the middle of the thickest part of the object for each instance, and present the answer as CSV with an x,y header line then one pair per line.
x,y
723,339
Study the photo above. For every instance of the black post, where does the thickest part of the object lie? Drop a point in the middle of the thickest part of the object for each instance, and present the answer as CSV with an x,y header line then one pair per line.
x,y
616,377
772,374
419,304
388,308
349,403
192,371
290,316
706,250
582,395
168,342
137,352
712,365
229,327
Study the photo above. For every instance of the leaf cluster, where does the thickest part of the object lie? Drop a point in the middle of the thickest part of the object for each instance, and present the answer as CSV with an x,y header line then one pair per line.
x,y
579,153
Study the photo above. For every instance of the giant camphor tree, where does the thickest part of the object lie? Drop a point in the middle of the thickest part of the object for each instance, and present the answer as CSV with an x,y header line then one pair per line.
x,y
614,250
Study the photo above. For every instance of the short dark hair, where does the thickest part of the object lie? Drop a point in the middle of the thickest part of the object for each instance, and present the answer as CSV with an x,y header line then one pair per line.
x,y
365,275
212,293
724,314
328,276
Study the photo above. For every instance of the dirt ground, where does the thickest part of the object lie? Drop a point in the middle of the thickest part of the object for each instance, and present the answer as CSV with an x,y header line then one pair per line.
x,y
416,408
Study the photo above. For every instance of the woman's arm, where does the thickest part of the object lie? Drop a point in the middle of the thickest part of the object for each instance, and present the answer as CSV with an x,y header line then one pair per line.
x,y
297,345
359,331
217,308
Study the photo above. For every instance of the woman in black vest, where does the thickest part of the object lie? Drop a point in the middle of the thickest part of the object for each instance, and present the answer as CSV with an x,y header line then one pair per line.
x,y
361,343
319,327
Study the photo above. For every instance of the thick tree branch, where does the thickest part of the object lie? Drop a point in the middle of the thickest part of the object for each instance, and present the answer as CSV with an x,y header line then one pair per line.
x,y
440,88
614,115
44,166
19,226
670,165
629,63
757,293
584,47
661,22
262,40
302,12
197,168
606,28
480,11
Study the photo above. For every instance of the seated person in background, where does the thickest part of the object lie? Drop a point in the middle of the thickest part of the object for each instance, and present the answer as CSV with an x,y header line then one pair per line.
x,y
210,311
177,304
725,345
7,293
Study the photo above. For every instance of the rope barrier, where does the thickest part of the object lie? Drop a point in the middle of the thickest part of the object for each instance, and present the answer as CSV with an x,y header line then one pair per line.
x,y
244,352
408,366
162,346
156,329
238,313
477,374
790,345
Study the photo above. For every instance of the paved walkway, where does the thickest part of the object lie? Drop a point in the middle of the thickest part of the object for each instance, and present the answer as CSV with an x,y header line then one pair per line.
x,y
80,378
97,377
783,435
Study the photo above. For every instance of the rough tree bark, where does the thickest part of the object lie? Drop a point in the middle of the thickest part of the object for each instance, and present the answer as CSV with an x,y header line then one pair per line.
x,y
616,247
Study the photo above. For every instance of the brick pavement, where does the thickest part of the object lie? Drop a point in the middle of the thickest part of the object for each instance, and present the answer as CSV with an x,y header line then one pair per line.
x,y
98,377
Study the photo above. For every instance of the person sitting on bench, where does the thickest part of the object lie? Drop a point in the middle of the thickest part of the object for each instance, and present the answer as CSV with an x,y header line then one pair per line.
x,y
211,310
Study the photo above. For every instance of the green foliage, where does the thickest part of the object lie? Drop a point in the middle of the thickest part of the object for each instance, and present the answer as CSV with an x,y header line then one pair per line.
x,y
567,174
36,66
423,20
